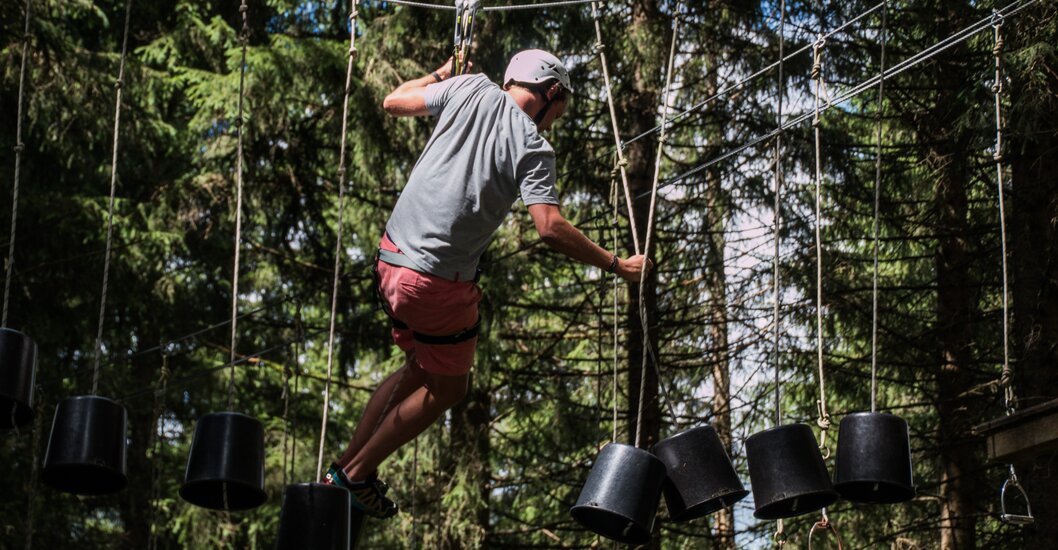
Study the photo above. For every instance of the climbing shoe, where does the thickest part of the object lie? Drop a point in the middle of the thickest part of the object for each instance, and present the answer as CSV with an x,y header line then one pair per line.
x,y
368,496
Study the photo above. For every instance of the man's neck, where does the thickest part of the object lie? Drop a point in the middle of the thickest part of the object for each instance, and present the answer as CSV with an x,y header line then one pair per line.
x,y
529,102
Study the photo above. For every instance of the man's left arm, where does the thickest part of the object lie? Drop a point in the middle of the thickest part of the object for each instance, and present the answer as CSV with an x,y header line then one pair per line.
x,y
559,234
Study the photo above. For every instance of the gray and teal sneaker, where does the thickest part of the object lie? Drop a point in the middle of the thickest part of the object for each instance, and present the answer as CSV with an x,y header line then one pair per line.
x,y
368,496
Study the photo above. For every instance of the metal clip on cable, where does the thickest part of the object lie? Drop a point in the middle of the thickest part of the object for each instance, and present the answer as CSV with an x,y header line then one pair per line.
x,y
464,34
1014,519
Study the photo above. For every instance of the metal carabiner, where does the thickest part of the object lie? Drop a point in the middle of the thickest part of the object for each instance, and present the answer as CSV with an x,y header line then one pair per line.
x,y
1014,519
824,524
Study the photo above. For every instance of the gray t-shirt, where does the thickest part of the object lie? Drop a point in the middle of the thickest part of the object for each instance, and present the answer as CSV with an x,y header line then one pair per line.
x,y
484,153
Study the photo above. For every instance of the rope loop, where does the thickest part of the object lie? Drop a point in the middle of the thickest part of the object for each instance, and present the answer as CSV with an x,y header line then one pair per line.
x,y
780,535
824,524
19,147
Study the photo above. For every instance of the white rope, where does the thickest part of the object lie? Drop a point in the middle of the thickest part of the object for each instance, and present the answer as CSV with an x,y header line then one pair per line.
x,y
19,147
824,417
997,88
777,191
351,54
614,233
643,318
244,39
450,7
877,207
622,162
110,208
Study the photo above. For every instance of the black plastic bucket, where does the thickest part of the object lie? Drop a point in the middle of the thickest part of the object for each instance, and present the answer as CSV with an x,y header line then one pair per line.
x,y
315,516
873,463
621,495
225,468
701,478
87,446
787,473
18,368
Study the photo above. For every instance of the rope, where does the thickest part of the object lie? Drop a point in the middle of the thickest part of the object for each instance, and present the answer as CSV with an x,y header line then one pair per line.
x,y
299,344
449,7
34,472
351,54
877,207
155,445
244,40
616,288
464,34
778,220
650,221
824,417
622,162
110,207
1009,399
19,147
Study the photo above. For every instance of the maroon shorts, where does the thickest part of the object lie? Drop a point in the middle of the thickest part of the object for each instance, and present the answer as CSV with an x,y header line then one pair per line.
x,y
431,305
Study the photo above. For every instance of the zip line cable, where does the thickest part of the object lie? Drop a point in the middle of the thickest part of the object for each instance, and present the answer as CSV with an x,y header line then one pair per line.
x,y
118,85
923,55
244,39
351,55
449,7
19,148
877,208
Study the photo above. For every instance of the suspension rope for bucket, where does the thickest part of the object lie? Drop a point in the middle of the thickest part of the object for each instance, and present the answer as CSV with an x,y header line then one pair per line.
x,y
19,147
1007,377
291,426
780,533
643,317
244,41
351,58
823,421
118,85
34,472
614,193
877,204
622,162
466,10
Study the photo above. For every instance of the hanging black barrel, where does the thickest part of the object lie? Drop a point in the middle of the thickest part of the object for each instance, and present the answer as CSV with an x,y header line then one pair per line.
x,y
787,473
701,478
874,459
18,368
225,468
86,449
315,516
621,495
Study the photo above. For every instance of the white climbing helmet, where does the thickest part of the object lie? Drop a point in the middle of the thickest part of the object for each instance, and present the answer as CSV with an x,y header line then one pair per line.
x,y
535,67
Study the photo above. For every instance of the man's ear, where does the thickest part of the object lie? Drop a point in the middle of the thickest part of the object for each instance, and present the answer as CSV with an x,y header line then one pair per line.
x,y
554,91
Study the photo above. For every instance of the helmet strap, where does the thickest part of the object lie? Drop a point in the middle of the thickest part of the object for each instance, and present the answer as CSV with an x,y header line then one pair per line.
x,y
539,118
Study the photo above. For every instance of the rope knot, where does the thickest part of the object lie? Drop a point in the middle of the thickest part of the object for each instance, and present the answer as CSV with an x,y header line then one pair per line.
x,y
118,83
244,8
998,156
19,147
354,15
997,50
817,70
599,47
352,51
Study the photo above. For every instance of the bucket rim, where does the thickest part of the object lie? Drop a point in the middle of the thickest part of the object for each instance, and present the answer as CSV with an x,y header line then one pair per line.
x,y
56,473
580,512
257,495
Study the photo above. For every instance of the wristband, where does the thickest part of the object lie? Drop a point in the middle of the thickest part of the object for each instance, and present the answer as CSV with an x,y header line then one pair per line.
x,y
436,76
613,265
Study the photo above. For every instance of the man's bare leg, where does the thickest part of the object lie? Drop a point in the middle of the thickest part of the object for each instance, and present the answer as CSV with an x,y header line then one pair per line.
x,y
407,419
394,389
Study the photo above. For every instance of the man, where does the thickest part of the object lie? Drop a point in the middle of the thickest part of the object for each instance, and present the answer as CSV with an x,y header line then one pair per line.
x,y
484,154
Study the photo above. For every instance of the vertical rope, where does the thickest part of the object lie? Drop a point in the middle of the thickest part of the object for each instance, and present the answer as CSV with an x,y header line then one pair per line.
x,y
622,162
244,41
616,288
650,223
351,54
817,76
34,473
778,217
877,204
19,147
155,445
110,207
299,330
1009,399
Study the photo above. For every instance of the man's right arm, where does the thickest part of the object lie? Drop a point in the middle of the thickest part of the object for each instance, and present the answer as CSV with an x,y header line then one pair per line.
x,y
559,234
409,99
